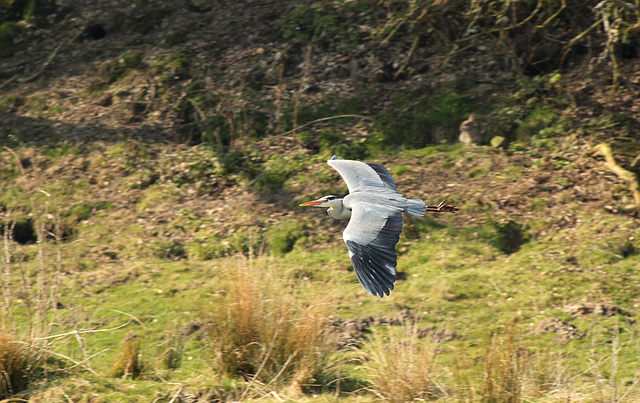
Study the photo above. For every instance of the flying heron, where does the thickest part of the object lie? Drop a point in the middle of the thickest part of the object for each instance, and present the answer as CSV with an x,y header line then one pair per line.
x,y
375,209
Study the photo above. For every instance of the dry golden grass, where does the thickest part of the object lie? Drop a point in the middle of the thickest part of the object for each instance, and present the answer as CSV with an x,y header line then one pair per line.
x,y
263,333
511,372
16,362
400,366
504,370
128,363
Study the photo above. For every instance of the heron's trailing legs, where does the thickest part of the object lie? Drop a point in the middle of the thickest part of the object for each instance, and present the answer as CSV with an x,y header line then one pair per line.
x,y
443,208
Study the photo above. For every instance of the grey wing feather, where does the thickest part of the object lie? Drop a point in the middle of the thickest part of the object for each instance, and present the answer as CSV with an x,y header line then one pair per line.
x,y
358,174
384,175
371,237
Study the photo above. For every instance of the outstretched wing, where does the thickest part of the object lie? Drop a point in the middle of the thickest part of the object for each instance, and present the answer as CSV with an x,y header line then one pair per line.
x,y
357,174
371,237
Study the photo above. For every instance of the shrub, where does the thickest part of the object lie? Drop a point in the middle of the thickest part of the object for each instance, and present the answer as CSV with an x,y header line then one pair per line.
x,y
510,236
281,238
407,124
206,248
320,23
35,11
275,171
333,142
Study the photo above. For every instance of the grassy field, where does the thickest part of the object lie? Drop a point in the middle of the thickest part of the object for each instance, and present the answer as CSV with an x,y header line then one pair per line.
x,y
153,156
133,294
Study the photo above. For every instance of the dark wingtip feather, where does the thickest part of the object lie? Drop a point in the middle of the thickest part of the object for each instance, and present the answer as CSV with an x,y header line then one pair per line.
x,y
375,262
375,268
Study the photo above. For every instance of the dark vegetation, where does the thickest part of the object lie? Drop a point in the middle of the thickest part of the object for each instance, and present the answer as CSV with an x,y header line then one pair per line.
x,y
153,155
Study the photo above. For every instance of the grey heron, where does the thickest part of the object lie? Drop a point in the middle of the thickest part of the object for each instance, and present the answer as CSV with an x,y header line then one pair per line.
x,y
375,210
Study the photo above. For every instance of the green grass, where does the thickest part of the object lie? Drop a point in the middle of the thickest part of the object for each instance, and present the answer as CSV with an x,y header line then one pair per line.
x,y
490,282
471,287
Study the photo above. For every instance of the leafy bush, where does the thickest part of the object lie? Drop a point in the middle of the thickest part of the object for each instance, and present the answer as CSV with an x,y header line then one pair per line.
x,y
321,23
423,121
170,65
8,33
276,170
156,195
82,211
207,247
332,142
273,177
510,236
281,238
542,120
117,69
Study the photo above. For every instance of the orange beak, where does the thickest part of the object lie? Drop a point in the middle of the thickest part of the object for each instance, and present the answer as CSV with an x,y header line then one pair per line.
x,y
312,203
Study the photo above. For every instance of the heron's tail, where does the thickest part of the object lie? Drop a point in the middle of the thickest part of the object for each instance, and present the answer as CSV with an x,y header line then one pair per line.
x,y
415,207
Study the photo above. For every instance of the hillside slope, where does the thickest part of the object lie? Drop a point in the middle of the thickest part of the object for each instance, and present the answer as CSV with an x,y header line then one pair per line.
x,y
154,155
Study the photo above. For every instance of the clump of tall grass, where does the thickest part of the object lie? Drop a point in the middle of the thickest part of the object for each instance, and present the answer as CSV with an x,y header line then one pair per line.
x,y
264,334
37,283
28,291
510,371
16,362
400,366
504,370
171,351
128,363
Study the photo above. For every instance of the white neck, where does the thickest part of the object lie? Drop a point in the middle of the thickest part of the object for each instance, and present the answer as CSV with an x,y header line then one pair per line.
x,y
337,210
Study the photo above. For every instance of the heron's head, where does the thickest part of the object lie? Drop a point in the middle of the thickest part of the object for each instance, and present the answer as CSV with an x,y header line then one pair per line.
x,y
325,201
